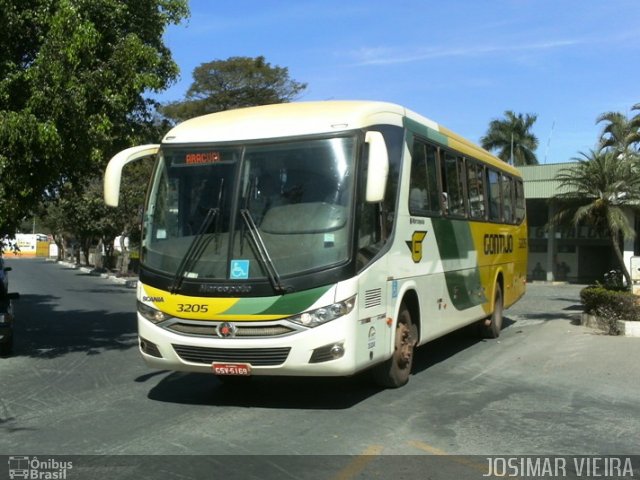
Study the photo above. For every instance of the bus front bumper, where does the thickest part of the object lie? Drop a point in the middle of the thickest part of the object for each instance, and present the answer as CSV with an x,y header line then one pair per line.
x,y
326,350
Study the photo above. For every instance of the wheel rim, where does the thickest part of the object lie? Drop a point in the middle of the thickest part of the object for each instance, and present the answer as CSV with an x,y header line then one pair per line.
x,y
405,343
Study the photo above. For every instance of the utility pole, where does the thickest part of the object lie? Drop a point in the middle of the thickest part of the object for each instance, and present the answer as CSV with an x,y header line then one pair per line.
x,y
511,157
549,142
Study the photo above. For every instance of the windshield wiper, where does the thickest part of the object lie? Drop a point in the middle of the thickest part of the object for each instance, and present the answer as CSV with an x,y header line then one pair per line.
x,y
200,242
263,253
218,225
195,250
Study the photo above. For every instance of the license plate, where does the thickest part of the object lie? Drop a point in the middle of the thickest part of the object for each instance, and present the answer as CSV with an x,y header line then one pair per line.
x,y
241,369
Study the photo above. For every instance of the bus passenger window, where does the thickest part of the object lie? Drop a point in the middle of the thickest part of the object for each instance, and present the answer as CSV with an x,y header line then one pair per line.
x,y
475,189
423,189
418,200
452,184
507,196
493,194
520,203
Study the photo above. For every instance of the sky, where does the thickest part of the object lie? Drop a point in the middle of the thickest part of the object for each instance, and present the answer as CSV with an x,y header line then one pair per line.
x,y
461,63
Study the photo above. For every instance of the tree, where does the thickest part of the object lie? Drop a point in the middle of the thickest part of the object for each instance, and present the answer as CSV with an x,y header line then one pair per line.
x,y
73,79
78,213
620,133
511,137
233,83
596,192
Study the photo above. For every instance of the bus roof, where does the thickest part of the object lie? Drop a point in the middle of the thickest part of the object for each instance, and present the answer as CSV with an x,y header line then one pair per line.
x,y
284,120
309,118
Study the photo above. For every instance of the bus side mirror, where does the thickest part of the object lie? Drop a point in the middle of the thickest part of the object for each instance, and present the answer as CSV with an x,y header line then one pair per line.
x,y
113,173
378,169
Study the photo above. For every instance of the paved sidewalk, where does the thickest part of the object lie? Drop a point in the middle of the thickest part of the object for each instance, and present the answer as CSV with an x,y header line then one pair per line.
x,y
567,351
129,282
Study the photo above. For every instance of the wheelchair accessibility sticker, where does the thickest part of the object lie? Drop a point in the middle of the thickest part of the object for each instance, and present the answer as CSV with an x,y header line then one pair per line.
x,y
239,269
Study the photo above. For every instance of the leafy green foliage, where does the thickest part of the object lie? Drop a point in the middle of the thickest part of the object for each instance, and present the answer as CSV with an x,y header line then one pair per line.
x,y
73,75
233,83
513,133
620,133
28,149
81,214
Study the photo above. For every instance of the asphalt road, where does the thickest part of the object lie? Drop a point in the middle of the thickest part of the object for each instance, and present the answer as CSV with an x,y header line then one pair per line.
x,y
77,386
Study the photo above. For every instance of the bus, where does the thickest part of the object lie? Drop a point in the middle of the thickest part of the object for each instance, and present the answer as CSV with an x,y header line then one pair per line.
x,y
320,239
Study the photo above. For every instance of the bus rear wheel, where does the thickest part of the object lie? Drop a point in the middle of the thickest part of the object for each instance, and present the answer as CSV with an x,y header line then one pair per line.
x,y
490,327
395,371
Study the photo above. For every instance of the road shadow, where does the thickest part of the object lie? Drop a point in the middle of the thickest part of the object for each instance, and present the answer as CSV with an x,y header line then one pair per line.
x,y
41,331
309,393
446,347
570,316
576,308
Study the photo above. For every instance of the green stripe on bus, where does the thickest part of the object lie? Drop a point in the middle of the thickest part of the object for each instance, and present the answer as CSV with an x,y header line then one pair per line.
x,y
461,284
453,237
251,306
425,131
297,302
455,242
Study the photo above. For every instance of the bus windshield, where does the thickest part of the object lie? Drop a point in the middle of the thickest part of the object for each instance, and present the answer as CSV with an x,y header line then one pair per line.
x,y
242,212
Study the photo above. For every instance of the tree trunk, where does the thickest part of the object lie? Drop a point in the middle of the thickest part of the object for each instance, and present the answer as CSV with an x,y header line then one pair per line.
x,y
59,241
616,248
99,256
86,248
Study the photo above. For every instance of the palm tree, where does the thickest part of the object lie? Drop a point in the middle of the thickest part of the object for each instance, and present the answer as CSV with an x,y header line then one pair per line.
x,y
620,133
608,184
512,138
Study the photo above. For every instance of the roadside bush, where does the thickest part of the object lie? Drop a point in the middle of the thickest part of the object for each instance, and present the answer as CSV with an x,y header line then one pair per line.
x,y
610,306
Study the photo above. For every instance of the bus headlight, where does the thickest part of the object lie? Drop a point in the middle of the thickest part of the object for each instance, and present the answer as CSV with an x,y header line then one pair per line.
x,y
316,317
151,314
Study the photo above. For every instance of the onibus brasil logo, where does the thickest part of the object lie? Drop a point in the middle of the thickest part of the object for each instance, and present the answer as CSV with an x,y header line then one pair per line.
x,y
33,468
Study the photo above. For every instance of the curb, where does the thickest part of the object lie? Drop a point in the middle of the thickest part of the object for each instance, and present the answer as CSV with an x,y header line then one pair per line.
x,y
627,328
129,282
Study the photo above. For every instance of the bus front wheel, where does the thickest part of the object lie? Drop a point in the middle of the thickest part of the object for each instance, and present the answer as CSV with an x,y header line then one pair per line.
x,y
395,371
491,326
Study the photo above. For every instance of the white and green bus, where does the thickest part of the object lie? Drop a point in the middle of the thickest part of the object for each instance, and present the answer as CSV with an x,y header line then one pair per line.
x,y
320,239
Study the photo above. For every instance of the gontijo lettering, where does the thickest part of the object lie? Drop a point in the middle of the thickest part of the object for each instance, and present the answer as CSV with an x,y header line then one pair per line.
x,y
495,244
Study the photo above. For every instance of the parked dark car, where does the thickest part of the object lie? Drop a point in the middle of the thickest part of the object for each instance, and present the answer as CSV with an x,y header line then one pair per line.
x,y
4,277
6,311
6,323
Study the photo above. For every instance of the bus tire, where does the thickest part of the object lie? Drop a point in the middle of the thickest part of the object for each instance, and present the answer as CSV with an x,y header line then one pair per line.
x,y
395,371
490,327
